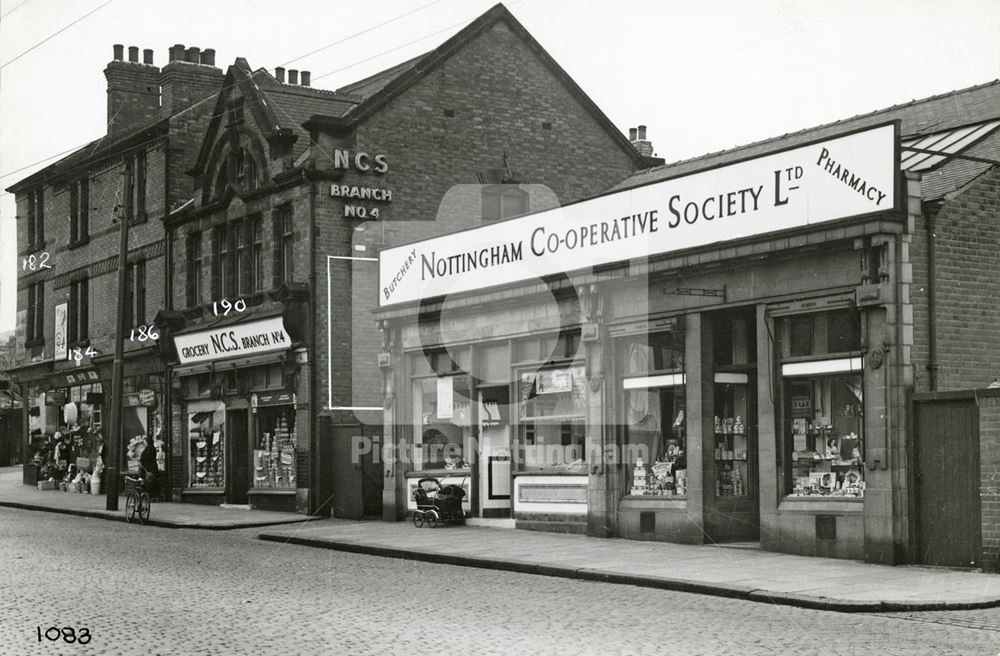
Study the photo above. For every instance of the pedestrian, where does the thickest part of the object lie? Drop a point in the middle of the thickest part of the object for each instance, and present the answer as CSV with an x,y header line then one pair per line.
x,y
148,468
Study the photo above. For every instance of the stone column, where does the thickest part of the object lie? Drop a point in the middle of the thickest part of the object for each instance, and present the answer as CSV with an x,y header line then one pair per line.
x,y
698,372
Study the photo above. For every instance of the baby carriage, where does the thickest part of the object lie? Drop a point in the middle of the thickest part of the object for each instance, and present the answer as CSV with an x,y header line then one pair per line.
x,y
437,504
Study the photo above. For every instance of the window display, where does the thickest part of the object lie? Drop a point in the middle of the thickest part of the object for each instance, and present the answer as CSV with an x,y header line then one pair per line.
x,y
206,443
274,447
824,441
732,440
656,439
552,410
442,417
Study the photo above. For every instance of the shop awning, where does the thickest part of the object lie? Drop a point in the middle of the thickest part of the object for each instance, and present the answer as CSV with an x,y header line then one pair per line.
x,y
924,153
232,363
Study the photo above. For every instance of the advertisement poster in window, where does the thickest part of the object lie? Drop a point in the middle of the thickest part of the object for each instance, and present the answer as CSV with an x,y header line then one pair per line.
x,y
59,350
445,397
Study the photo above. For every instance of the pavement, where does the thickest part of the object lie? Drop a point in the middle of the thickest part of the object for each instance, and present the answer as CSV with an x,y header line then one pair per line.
x,y
737,571
14,494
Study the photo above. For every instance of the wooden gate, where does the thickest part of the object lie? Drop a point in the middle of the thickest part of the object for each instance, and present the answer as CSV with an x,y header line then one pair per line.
x,y
946,463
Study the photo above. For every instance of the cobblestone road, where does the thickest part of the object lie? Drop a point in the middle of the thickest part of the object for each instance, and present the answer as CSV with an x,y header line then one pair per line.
x,y
146,590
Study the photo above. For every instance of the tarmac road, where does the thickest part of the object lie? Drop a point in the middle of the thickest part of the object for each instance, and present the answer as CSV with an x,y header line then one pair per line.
x,y
148,590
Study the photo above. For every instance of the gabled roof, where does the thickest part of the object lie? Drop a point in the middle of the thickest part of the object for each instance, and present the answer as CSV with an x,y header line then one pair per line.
x,y
918,118
380,89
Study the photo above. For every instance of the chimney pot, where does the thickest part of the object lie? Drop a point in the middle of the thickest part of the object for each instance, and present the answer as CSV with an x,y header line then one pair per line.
x,y
177,52
631,134
279,73
208,56
305,78
147,56
642,133
119,51
133,54
293,76
194,54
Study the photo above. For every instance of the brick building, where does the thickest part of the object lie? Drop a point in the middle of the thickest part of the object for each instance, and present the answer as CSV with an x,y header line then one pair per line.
x,y
273,281
742,366
68,234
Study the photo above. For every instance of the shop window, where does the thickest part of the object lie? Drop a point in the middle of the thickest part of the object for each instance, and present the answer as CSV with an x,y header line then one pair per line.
x,y
442,414
819,333
503,201
283,241
274,454
79,212
734,339
552,405
36,314
655,425
193,263
548,348
824,439
734,436
36,219
79,323
206,444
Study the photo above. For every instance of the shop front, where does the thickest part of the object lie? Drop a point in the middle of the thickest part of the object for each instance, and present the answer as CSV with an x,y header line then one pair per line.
x,y
681,387
236,409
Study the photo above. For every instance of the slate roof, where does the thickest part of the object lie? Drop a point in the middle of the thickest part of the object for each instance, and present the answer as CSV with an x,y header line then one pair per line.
x,y
936,114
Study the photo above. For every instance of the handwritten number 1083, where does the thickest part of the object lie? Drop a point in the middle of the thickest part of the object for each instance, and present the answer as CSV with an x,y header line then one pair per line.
x,y
239,306
67,633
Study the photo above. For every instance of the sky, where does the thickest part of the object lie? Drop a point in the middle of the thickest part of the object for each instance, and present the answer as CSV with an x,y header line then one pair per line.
x,y
703,75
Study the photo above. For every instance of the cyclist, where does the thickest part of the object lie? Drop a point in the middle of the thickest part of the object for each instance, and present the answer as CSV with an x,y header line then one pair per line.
x,y
148,468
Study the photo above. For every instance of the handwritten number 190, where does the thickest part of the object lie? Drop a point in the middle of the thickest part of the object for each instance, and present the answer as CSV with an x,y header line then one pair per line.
x,y
239,306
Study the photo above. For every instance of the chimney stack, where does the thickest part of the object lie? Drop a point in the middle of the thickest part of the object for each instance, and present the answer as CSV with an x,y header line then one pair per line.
x,y
305,78
279,74
133,90
293,76
638,138
177,52
190,76
147,56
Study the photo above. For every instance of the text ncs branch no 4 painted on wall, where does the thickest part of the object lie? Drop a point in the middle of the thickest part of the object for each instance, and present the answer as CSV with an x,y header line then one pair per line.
x,y
837,178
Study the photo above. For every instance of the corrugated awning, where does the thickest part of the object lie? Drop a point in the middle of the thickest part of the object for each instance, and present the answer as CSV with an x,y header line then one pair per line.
x,y
926,152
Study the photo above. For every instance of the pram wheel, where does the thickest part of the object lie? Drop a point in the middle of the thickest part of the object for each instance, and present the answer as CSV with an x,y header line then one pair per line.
x,y
418,518
432,519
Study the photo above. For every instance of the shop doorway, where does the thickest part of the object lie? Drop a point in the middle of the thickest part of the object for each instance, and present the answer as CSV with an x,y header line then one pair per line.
x,y
238,481
947,479
733,514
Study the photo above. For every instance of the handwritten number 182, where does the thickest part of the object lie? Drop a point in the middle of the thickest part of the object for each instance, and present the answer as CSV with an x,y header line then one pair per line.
x,y
35,262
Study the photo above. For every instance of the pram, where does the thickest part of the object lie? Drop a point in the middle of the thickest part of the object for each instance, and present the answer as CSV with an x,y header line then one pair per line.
x,y
437,504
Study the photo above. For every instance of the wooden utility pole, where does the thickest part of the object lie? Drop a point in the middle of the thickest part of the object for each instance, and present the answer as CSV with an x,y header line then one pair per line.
x,y
114,440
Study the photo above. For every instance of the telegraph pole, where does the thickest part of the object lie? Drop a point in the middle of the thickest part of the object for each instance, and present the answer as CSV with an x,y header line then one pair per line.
x,y
115,438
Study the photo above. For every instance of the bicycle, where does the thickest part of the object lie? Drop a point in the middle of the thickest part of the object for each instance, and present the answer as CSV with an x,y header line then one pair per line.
x,y
137,503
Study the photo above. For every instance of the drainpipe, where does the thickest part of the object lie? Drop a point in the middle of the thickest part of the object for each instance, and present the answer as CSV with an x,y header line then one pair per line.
x,y
930,227
166,407
313,415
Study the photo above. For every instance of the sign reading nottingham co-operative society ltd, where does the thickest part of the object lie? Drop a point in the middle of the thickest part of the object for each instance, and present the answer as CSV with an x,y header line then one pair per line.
x,y
837,178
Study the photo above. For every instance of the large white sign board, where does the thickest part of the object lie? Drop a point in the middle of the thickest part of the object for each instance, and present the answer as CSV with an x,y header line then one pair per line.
x,y
834,179
232,341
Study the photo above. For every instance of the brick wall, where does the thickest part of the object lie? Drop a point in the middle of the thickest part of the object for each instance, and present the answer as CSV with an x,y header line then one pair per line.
x,y
967,265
